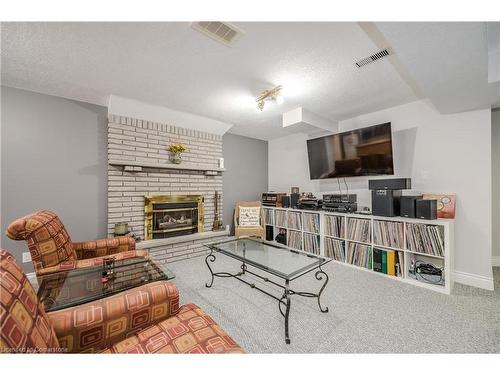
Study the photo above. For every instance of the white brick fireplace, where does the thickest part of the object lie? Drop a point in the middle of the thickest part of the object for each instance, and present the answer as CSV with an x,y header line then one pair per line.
x,y
139,166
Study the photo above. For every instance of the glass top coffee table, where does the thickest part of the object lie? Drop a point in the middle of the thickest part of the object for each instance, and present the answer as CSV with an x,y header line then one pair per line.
x,y
279,261
75,287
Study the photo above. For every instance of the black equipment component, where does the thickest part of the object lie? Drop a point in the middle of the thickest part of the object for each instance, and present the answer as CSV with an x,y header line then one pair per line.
x,y
426,209
386,195
408,205
294,200
390,184
272,199
269,233
285,201
339,198
426,271
385,202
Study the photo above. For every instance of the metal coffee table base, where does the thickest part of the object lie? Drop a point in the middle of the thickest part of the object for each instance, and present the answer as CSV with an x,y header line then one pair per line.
x,y
284,302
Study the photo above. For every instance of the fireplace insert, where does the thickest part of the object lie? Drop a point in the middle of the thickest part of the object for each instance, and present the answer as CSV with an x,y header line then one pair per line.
x,y
172,215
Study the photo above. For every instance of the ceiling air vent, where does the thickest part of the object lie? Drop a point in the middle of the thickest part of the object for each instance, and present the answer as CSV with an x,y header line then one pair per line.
x,y
376,56
222,32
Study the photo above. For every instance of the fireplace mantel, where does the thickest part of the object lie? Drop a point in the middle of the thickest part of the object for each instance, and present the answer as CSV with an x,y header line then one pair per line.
x,y
136,166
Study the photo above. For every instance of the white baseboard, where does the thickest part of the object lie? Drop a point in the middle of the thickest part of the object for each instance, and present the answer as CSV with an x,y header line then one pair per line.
x,y
495,261
473,280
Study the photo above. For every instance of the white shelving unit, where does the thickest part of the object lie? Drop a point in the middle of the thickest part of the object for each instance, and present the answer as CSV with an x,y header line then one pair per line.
x,y
279,218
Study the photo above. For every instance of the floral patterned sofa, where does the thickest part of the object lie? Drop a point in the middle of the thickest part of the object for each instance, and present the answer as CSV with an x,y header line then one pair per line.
x,y
146,319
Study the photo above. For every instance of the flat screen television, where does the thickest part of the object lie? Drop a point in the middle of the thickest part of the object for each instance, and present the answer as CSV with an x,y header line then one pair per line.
x,y
359,152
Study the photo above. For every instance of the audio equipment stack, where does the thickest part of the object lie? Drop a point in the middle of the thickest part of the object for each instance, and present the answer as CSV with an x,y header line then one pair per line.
x,y
386,195
272,199
340,203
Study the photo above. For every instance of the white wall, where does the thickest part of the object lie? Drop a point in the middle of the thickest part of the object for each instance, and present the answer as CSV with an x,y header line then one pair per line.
x,y
495,158
441,153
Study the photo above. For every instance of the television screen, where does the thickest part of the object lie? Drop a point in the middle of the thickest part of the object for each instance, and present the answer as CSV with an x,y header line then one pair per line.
x,y
359,152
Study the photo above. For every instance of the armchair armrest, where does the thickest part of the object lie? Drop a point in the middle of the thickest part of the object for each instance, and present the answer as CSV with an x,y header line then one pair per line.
x,y
104,247
97,325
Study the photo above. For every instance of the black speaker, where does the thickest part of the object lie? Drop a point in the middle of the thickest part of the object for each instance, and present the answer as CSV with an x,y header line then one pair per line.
x,y
294,200
385,202
269,233
390,184
408,205
427,209
285,201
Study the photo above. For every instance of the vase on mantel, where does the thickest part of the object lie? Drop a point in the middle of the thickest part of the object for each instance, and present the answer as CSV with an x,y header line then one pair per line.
x,y
176,158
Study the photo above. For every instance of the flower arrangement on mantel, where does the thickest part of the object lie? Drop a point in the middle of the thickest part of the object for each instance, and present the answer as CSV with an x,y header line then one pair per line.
x,y
176,150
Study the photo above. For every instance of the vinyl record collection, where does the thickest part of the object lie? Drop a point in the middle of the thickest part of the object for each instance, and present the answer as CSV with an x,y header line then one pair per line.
x,y
388,233
281,218
334,249
311,223
358,229
334,226
294,220
359,255
311,243
426,239
294,239
268,214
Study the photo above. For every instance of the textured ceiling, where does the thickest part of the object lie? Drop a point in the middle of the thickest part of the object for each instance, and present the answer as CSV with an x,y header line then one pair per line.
x,y
448,60
171,65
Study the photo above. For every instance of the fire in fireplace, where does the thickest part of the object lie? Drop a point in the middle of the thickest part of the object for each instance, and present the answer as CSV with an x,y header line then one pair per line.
x,y
172,215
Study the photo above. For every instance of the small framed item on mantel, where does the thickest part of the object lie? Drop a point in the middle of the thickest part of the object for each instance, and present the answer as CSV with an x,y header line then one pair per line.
x,y
294,190
446,204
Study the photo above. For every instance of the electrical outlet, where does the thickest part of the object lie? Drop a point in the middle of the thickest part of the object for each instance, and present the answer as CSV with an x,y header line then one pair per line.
x,y
26,257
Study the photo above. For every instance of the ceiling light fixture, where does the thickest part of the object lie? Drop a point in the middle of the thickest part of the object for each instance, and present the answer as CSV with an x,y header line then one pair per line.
x,y
272,94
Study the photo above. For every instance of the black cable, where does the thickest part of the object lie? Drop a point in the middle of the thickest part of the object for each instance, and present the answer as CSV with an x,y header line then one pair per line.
x,y
338,182
422,268
347,187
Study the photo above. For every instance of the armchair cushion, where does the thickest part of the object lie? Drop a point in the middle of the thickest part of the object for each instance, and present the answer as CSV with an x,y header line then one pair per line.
x,y
94,326
249,216
25,327
104,247
48,241
74,264
191,331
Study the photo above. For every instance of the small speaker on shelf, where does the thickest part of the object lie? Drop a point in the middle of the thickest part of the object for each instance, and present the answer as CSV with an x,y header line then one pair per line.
x,y
385,202
426,209
269,233
285,201
294,200
408,205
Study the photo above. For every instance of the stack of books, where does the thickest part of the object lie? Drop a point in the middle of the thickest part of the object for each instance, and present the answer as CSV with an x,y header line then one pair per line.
x,y
389,262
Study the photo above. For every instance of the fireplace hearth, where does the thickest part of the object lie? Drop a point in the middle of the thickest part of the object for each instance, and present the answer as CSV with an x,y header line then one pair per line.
x,y
172,215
